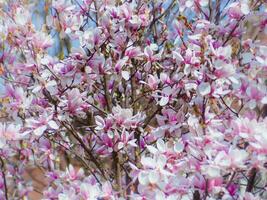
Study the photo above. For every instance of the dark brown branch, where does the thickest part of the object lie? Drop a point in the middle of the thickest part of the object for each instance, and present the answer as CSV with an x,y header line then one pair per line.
x,y
117,170
251,180
107,96
149,118
196,195
4,177
218,13
231,179
210,10
88,151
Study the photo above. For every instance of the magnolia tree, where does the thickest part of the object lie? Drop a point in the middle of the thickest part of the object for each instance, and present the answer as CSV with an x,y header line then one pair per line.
x,y
144,100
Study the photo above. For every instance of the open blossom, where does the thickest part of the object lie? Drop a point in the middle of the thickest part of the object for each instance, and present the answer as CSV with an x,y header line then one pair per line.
x,y
204,88
42,41
152,82
125,117
224,70
166,95
67,194
234,158
252,131
150,55
73,102
91,38
72,174
222,52
237,9
89,191
127,140
61,4
22,16
133,52
154,169
9,132
38,126
15,93
256,94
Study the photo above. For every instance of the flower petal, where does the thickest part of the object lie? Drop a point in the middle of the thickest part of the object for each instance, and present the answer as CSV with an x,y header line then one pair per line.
x,y
40,130
204,88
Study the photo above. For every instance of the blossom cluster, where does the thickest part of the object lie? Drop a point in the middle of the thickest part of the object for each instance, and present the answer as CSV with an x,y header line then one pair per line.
x,y
149,99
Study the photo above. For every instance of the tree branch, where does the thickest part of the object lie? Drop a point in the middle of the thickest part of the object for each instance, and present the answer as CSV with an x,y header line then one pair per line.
x,y
251,180
4,177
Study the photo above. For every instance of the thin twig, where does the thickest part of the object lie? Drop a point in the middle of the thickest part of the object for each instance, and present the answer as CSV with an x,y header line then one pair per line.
x,y
88,151
4,177
236,113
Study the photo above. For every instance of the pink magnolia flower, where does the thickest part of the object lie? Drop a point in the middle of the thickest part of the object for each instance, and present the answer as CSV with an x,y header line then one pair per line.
x,y
9,132
152,82
15,93
127,139
224,70
68,194
41,41
238,9
61,5
150,55
166,95
235,158
72,174
222,53
74,101
256,94
107,191
154,169
22,16
133,52
89,191
204,88
38,126
120,64
91,38
232,189
126,118
249,196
